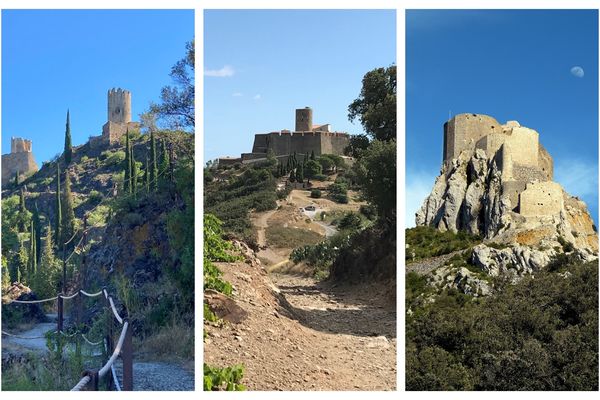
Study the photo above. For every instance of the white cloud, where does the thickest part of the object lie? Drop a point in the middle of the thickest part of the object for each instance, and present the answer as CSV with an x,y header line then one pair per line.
x,y
224,72
257,97
237,94
418,187
577,72
577,177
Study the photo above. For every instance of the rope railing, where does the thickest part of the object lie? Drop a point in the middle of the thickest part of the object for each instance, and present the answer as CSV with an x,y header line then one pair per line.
x,y
123,348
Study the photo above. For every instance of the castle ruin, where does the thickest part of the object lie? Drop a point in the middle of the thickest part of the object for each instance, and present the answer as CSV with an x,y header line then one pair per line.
x,y
526,167
118,118
19,160
307,138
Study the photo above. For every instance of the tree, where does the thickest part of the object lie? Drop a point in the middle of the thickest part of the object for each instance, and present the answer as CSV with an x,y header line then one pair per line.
x,y
134,174
164,162
376,174
177,106
5,274
32,255
46,278
147,175
58,209
68,213
292,177
153,162
312,154
313,168
127,166
68,147
38,231
300,174
326,163
23,212
376,105
356,145
148,121
17,182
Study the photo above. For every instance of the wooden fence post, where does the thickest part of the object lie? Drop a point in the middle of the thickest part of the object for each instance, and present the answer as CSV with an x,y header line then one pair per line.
x,y
59,327
127,357
109,336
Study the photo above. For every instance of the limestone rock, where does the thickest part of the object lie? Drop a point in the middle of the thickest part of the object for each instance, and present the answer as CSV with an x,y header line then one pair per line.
x,y
513,260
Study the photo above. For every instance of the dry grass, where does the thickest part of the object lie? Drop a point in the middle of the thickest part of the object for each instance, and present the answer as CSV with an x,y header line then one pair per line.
x,y
170,343
291,237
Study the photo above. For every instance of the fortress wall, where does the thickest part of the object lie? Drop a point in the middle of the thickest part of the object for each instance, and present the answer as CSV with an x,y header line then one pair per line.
x,y
464,130
13,162
334,145
527,173
491,143
541,199
260,143
523,143
513,189
19,145
545,163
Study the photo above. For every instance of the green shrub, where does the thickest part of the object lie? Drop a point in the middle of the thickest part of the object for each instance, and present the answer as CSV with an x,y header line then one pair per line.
x,y
223,378
315,193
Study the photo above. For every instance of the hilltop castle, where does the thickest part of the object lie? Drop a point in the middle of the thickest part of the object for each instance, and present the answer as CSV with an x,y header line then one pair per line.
x,y
307,138
20,159
526,167
119,118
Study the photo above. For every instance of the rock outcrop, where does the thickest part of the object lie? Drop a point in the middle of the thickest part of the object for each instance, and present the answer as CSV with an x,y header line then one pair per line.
x,y
499,186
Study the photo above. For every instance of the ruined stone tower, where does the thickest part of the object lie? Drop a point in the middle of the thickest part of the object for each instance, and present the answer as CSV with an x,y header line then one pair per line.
x,y
304,119
19,160
119,105
119,118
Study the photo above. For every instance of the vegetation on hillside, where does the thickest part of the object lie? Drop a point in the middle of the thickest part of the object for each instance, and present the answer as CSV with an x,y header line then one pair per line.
x,y
539,334
425,241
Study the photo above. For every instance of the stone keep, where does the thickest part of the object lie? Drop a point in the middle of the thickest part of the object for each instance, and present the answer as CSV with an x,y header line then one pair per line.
x,y
119,117
20,159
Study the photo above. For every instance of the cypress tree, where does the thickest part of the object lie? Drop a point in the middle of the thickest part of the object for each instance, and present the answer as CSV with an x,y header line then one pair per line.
x,y
68,214
68,147
134,173
127,179
292,177
58,210
164,163
22,201
47,266
147,175
22,212
312,155
300,174
153,163
17,178
38,232
32,255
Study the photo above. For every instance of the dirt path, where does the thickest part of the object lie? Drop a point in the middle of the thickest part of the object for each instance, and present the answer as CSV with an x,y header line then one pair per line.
x,y
301,334
424,267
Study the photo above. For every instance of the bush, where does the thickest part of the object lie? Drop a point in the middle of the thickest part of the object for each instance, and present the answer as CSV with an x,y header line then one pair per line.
x,y
350,221
113,158
315,193
369,211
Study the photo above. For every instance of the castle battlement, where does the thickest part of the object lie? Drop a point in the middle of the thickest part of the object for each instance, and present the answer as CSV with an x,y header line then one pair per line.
x,y
20,145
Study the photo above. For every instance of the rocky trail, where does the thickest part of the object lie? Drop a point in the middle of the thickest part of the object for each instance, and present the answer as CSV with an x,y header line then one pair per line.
x,y
425,266
301,334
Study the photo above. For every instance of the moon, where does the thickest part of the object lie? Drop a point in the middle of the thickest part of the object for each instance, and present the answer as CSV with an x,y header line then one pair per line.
x,y
577,72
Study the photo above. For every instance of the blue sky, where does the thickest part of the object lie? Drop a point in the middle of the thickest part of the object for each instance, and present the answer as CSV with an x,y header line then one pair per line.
x,y
260,65
58,59
512,65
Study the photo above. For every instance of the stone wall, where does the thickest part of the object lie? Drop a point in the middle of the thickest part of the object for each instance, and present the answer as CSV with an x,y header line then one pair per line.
x,y
545,163
541,199
19,145
304,119
285,142
13,162
523,144
463,131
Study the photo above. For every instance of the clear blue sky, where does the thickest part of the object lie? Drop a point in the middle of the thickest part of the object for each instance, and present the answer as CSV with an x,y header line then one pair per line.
x,y
512,65
260,65
58,59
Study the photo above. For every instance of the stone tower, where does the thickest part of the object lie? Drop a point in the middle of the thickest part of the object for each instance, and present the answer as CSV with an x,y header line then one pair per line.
x,y
304,119
19,160
119,106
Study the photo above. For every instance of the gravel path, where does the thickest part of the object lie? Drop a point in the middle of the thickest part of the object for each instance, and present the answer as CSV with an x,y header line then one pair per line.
x,y
158,376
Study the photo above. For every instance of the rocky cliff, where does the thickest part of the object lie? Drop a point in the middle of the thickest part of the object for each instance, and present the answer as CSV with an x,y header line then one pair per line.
x,y
527,227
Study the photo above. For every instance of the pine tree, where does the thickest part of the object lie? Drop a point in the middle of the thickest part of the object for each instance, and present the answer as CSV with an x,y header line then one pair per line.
x,y
127,179
68,214
58,210
153,161
68,147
